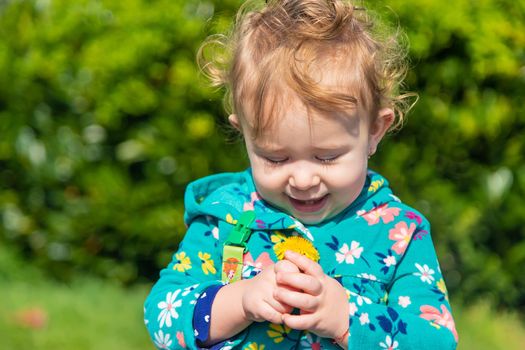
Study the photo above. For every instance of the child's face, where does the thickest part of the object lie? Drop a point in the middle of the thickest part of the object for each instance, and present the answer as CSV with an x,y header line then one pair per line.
x,y
313,169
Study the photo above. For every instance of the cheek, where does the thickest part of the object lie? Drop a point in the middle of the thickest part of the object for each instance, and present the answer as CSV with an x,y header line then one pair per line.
x,y
348,178
266,180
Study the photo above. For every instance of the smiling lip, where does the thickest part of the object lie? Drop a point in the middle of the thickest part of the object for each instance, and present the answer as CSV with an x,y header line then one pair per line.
x,y
308,206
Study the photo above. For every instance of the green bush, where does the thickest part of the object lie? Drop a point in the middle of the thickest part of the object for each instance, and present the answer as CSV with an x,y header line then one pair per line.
x,y
104,120
460,156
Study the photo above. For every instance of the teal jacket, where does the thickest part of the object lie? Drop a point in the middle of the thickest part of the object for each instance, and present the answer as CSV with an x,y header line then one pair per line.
x,y
379,249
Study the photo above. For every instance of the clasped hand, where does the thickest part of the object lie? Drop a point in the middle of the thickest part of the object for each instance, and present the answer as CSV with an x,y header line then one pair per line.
x,y
298,282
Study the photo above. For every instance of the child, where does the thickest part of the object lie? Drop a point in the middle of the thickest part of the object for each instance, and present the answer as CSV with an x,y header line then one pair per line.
x,y
329,257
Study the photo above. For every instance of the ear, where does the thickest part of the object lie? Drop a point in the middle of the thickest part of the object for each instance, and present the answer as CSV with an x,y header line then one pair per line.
x,y
379,127
234,121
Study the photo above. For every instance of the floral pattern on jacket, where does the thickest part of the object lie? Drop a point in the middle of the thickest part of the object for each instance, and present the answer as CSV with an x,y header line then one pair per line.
x,y
378,248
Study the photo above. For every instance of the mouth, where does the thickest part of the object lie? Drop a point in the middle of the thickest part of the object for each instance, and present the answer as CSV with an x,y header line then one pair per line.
x,y
310,205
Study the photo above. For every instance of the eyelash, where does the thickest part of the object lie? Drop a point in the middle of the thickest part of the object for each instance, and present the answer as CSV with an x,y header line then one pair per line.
x,y
275,162
324,161
327,160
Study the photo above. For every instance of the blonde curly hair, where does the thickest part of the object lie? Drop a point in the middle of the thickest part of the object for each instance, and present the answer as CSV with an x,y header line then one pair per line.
x,y
280,47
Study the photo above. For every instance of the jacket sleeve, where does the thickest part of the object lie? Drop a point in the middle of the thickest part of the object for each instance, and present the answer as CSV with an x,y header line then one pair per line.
x,y
170,305
417,313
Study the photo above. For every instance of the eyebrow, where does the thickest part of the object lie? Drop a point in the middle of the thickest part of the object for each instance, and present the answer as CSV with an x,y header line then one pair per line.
x,y
329,148
268,148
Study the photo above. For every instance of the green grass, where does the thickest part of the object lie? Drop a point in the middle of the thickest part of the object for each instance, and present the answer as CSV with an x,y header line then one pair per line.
x,y
86,315
94,314
480,327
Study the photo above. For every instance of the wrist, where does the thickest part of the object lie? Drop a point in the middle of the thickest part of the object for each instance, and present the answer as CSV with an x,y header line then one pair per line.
x,y
242,286
228,316
342,313
342,339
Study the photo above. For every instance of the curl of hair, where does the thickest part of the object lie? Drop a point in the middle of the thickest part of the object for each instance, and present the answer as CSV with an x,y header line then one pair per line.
x,y
287,43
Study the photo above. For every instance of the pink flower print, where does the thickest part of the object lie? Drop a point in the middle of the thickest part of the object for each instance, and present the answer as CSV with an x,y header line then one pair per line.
x,y
402,234
349,254
353,308
443,318
413,216
390,260
180,339
381,212
250,205
260,263
404,301
363,319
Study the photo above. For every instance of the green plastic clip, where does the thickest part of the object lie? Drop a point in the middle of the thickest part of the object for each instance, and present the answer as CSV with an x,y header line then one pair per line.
x,y
241,232
235,246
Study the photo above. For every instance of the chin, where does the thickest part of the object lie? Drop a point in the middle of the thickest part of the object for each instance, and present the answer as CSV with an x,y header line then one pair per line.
x,y
310,220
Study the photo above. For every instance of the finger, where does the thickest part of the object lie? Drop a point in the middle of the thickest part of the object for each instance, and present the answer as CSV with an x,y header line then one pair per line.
x,y
285,266
268,313
300,322
304,264
279,306
300,281
299,300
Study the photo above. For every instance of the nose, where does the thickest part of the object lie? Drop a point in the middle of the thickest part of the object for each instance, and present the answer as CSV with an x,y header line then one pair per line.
x,y
303,178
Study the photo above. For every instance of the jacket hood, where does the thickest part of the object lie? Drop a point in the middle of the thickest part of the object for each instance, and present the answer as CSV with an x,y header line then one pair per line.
x,y
225,196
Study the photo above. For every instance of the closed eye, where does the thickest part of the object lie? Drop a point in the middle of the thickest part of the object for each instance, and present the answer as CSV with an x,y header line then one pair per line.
x,y
275,161
328,159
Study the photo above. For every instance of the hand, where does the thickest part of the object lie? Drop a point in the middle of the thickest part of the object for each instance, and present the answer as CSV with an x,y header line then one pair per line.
x,y
258,300
322,300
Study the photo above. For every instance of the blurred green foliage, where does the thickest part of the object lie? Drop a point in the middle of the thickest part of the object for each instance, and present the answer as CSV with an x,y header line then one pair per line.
x,y
104,119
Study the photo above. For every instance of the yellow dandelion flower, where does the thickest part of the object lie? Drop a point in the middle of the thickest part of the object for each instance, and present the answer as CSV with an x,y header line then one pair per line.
x,y
277,237
297,244
254,346
278,332
183,262
208,266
